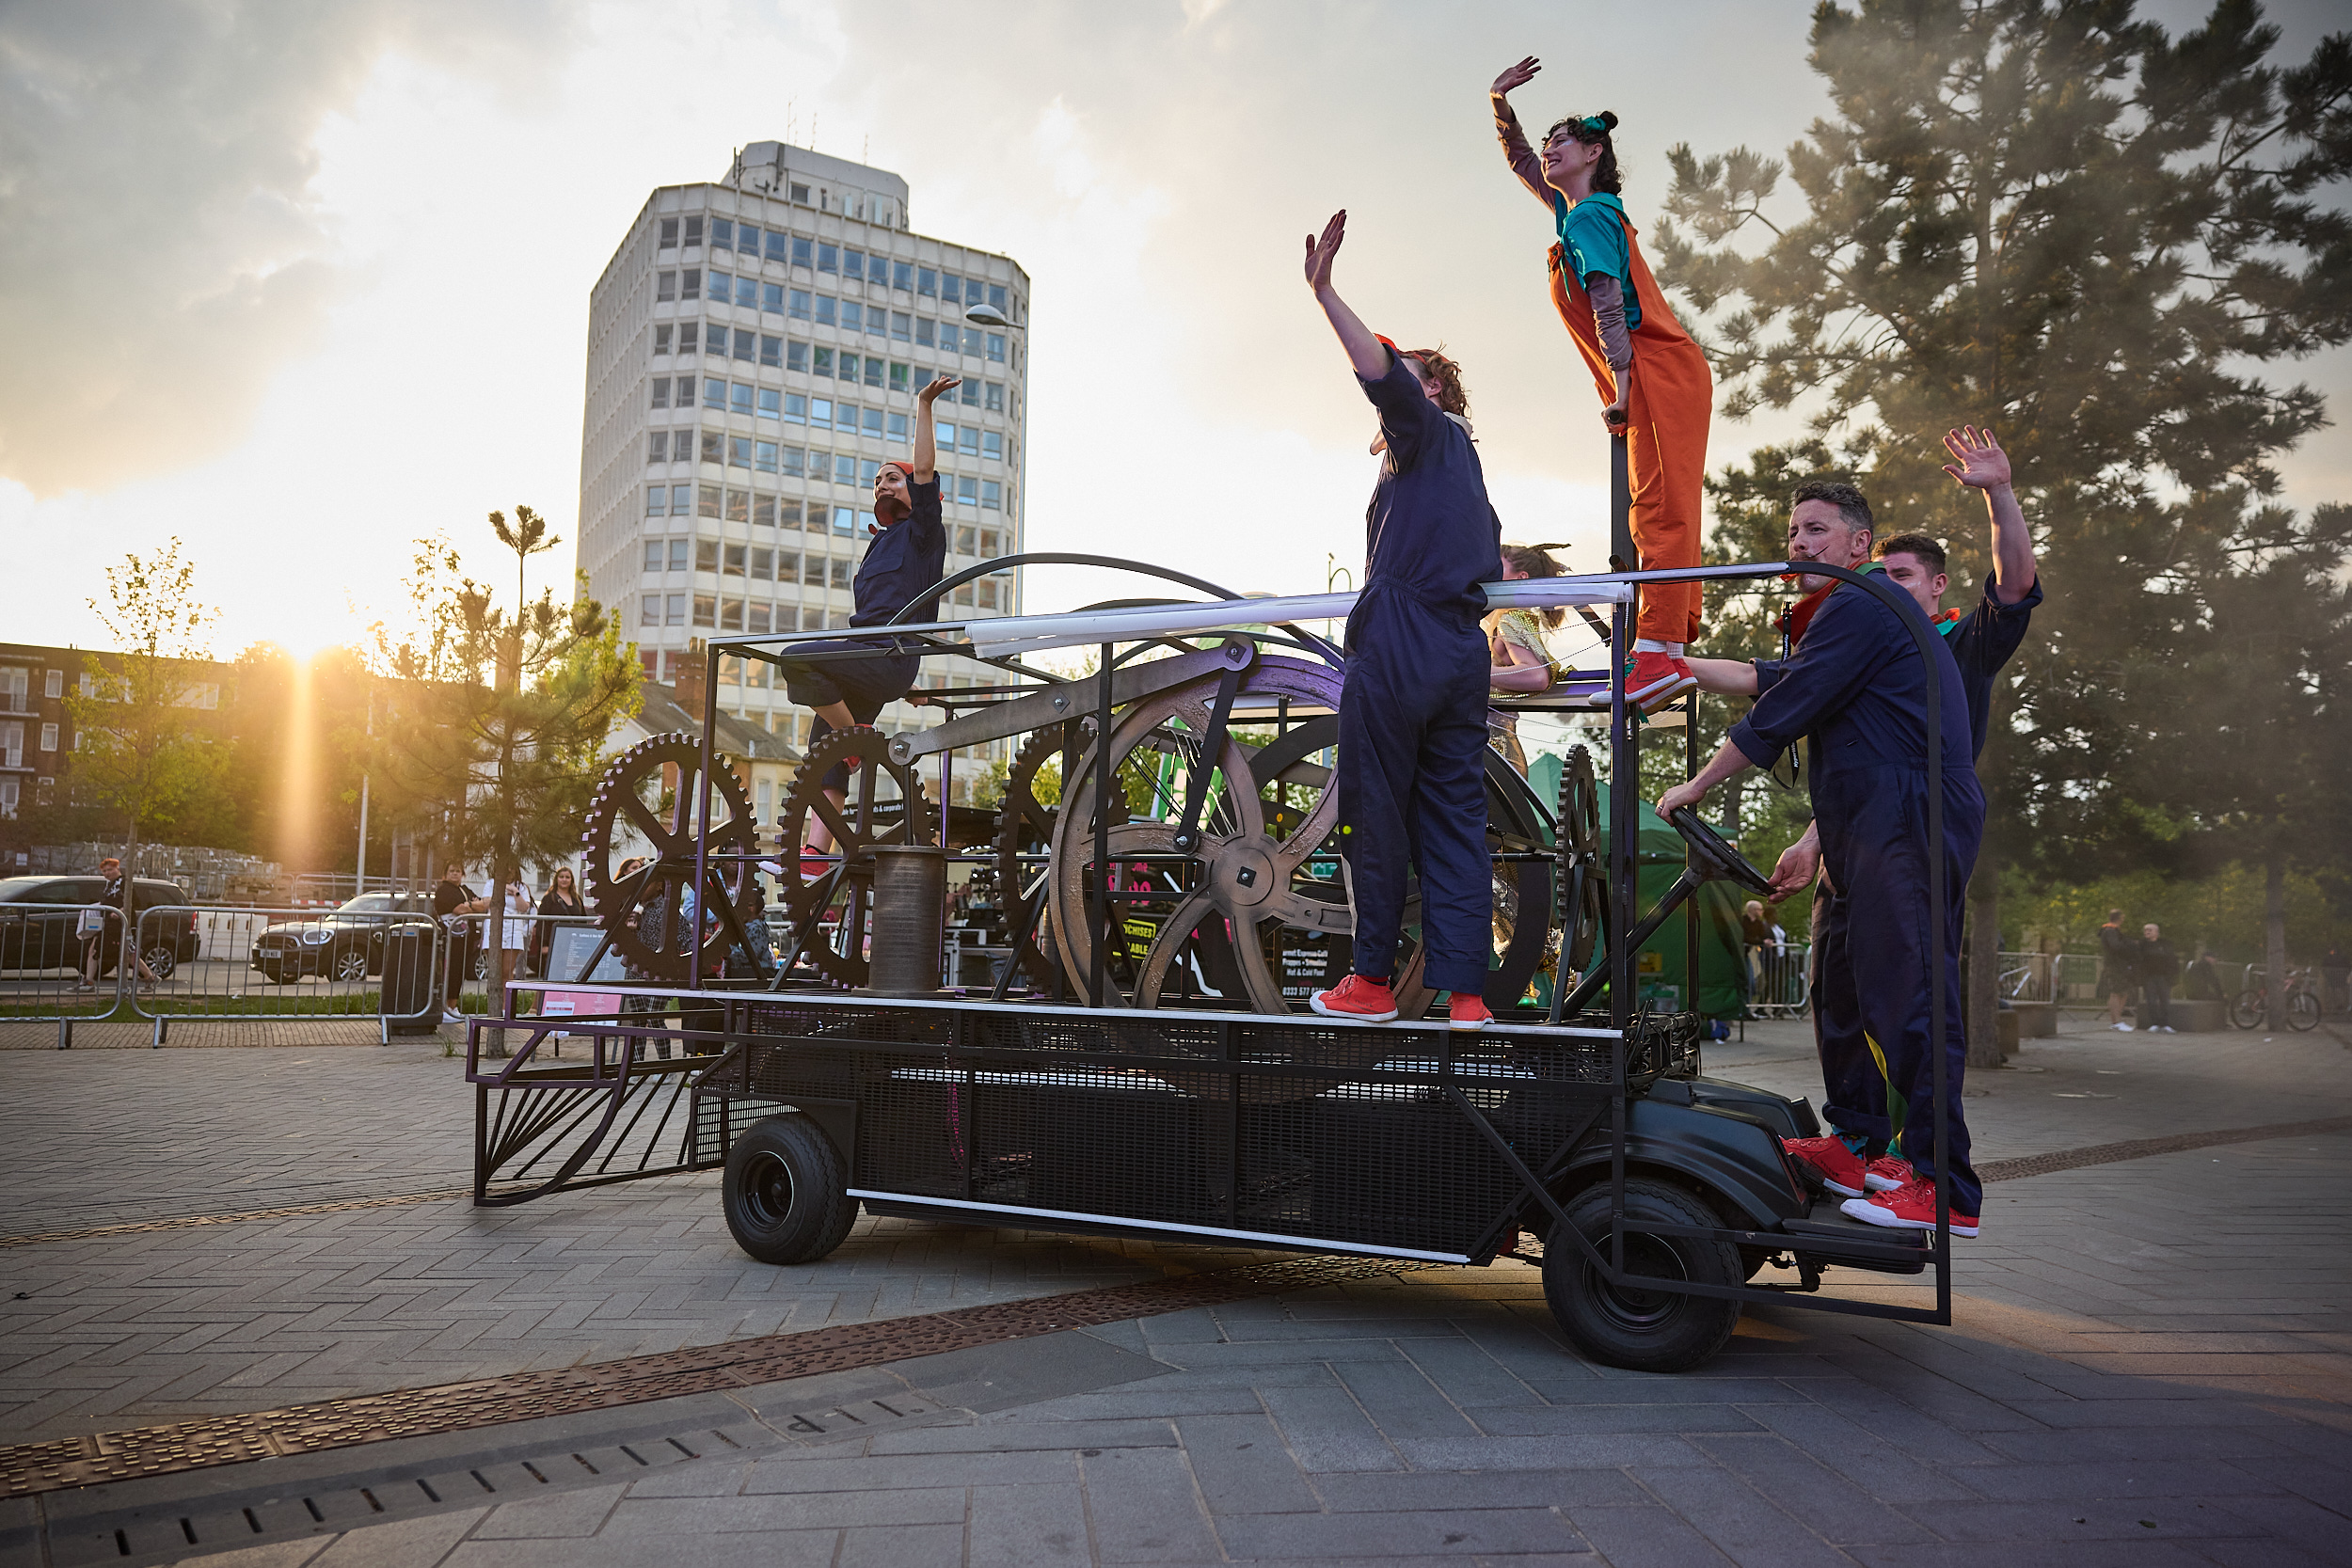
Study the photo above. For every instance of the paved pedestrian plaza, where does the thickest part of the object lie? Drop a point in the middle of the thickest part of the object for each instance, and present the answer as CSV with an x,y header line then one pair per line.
x,y
2148,1362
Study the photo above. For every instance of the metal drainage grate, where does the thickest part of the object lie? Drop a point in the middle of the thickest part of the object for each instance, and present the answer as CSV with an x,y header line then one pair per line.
x,y
164,1530
111,1456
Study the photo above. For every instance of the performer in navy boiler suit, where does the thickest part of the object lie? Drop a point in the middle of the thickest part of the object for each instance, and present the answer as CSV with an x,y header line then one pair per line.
x,y
1855,692
905,559
1413,704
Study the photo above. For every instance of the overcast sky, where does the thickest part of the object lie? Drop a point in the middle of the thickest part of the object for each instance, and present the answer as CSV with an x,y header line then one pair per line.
x,y
301,282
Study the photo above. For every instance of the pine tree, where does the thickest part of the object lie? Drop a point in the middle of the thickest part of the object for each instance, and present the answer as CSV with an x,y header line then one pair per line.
x,y
497,720
2055,220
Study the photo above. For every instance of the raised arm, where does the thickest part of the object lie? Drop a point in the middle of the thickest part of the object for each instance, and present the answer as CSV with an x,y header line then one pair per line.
x,y
1979,462
926,446
1516,151
1364,351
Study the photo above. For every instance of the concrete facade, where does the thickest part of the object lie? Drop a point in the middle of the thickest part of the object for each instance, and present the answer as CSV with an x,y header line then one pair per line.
x,y
742,385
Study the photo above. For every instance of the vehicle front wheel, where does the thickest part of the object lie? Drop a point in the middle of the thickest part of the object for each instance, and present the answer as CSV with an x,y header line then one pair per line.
x,y
2245,1010
1625,1325
2303,1011
787,1191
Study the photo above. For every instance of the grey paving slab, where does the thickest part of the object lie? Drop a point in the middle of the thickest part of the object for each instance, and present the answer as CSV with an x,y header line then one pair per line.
x,y
2167,1340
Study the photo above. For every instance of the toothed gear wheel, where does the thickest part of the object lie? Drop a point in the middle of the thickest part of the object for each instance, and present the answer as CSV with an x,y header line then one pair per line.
x,y
648,795
1025,825
1578,887
885,805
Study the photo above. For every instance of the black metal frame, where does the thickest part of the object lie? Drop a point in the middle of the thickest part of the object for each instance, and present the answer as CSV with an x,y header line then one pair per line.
x,y
1628,1024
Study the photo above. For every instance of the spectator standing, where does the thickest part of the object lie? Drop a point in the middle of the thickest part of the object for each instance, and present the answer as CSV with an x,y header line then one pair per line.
x,y
111,937
2333,973
452,901
2118,968
2158,965
2203,983
515,929
563,902
1755,934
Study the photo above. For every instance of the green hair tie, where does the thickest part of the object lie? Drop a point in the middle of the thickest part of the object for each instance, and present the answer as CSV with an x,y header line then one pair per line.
x,y
1594,122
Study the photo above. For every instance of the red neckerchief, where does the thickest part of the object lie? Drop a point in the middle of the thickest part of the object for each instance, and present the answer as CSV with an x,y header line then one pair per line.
x,y
1798,616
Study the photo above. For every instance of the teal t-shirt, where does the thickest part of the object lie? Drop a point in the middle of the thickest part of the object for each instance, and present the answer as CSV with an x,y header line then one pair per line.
x,y
1594,232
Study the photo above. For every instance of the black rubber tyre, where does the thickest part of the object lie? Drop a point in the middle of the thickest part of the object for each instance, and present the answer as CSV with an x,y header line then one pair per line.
x,y
351,964
2245,1010
787,1191
2303,1011
163,960
1646,1331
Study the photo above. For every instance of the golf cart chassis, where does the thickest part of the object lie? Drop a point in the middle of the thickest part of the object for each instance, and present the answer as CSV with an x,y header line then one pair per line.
x,y
1286,1133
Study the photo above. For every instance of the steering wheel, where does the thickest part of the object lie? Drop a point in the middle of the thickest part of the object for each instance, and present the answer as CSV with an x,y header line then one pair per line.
x,y
1718,860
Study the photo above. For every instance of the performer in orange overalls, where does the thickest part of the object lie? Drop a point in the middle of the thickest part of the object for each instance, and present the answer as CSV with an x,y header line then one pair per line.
x,y
1651,376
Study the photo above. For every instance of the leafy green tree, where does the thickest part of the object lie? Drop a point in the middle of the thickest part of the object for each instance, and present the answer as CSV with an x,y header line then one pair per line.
x,y
142,749
497,720
2052,219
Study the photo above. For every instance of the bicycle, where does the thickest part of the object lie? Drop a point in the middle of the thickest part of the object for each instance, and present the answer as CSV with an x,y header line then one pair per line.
x,y
2250,1007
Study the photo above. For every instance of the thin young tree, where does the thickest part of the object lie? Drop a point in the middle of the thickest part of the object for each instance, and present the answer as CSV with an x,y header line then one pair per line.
x,y
140,750
2057,221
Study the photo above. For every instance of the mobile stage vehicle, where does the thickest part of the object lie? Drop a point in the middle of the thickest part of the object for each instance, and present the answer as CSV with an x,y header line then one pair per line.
x,y
1136,1065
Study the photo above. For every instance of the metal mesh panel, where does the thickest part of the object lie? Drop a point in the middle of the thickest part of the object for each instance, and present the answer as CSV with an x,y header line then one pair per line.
x,y
1286,1127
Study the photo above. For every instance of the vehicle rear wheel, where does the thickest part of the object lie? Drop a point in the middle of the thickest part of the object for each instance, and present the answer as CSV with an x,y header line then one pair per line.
x,y
2303,1011
352,965
2245,1010
1623,1325
163,959
787,1191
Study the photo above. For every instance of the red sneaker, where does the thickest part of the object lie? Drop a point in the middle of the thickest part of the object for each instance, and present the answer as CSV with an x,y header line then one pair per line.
x,y
1366,1001
1888,1172
1909,1207
1656,679
1829,1162
1467,1011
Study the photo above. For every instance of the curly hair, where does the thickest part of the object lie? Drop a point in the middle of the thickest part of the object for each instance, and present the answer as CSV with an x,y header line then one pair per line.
x,y
1590,129
1537,561
1452,395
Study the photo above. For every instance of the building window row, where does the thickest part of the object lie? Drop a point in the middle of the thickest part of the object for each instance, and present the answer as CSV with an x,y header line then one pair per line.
x,y
749,242
744,506
745,343
722,613
765,563
772,403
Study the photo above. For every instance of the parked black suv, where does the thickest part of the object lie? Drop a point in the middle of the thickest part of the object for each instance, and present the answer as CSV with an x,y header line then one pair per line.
x,y
49,939
345,944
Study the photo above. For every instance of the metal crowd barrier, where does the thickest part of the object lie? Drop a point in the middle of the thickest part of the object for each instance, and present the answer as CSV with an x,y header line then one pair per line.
x,y
291,964
1780,980
46,956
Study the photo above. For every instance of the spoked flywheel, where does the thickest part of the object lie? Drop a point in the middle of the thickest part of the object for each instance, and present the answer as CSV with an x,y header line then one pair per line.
x,y
643,810
828,896
1202,923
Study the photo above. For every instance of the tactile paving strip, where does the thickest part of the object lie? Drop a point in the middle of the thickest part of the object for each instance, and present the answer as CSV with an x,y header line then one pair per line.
x,y
183,1222
111,1456
2139,1149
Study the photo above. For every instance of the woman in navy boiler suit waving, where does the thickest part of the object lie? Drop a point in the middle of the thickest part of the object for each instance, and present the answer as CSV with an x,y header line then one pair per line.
x,y
1413,704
